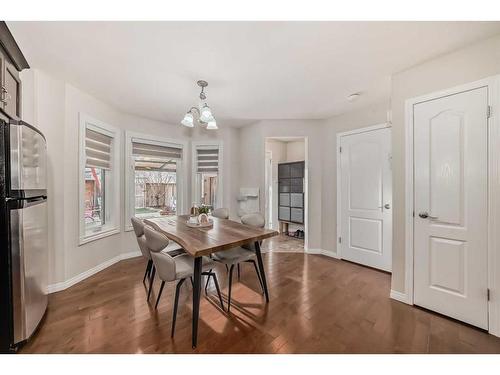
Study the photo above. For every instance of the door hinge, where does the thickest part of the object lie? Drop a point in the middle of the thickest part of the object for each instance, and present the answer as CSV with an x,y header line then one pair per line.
x,y
488,111
488,294
340,149
340,239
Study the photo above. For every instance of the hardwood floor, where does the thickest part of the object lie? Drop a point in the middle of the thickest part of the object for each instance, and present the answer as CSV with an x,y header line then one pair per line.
x,y
318,305
283,244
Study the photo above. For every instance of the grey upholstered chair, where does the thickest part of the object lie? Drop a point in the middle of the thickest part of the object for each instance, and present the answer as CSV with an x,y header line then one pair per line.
x,y
244,253
221,213
173,250
174,268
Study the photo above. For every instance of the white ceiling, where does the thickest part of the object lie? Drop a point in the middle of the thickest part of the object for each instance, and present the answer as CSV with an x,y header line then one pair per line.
x,y
255,70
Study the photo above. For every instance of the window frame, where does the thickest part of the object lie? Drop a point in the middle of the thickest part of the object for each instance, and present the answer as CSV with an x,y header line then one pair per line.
x,y
181,178
220,175
111,182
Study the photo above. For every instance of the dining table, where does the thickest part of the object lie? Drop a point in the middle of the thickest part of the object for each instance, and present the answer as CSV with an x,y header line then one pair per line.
x,y
223,235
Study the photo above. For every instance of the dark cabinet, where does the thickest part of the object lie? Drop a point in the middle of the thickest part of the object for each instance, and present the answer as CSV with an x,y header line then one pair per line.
x,y
11,91
283,170
12,61
291,192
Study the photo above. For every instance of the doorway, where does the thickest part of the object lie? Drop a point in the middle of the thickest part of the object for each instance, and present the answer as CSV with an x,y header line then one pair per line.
x,y
286,193
364,196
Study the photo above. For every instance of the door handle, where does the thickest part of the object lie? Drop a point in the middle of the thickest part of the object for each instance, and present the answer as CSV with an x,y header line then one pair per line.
x,y
425,215
387,206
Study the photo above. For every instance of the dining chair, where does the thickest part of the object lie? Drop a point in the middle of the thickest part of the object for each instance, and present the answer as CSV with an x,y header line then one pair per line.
x,y
173,249
174,268
221,213
244,253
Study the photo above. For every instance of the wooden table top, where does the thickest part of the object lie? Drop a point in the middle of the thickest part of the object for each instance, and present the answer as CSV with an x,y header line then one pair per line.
x,y
224,235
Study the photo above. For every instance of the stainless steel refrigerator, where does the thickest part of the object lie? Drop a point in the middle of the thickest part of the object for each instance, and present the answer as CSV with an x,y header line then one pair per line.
x,y
24,254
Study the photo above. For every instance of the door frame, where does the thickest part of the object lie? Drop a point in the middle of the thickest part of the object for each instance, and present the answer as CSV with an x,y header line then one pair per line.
x,y
493,247
268,177
365,129
306,179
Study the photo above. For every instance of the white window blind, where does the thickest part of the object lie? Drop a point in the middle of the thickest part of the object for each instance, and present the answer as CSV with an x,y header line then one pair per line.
x,y
154,157
207,159
154,151
97,150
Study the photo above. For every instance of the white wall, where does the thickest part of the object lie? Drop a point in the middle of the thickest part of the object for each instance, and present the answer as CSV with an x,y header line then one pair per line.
x,y
295,150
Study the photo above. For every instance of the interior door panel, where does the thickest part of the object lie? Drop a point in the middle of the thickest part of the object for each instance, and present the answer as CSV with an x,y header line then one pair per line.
x,y
450,227
366,198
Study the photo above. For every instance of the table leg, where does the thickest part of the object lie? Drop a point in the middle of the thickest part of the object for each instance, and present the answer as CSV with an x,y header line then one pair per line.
x,y
261,269
196,298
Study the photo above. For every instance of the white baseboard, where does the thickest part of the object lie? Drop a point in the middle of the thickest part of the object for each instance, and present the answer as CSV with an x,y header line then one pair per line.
x,y
322,252
57,287
401,297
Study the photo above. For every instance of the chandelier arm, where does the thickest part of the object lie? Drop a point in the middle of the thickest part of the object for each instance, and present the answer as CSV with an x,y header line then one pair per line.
x,y
196,110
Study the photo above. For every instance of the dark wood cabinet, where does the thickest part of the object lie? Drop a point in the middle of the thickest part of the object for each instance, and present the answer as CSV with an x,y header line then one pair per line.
x,y
11,91
12,62
291,192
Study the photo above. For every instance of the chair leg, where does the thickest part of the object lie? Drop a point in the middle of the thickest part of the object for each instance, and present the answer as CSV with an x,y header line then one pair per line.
x,y
153,272
208,280
258,274
159,294
218,289
176,304
227,268
192,282
151,269
238,272
230,284
148,270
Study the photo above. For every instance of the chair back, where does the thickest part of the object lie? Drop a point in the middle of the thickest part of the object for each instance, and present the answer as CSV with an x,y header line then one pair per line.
x,y
164,263
254,220
138,226
221,213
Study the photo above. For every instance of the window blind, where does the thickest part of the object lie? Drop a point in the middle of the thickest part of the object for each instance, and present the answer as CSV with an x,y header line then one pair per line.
x,y
97,150
207,159
156,152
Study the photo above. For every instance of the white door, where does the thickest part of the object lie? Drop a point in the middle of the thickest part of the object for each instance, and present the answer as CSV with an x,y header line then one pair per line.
x,y
450,227
366,198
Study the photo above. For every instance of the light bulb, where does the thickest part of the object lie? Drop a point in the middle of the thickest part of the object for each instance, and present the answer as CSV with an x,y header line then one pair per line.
x,y
206,113
188,120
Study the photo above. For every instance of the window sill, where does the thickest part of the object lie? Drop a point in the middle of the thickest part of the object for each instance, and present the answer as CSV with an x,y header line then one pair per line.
x,y
97,236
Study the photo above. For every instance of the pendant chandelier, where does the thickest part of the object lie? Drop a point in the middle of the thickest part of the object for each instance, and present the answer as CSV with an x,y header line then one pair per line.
x,y
202,111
